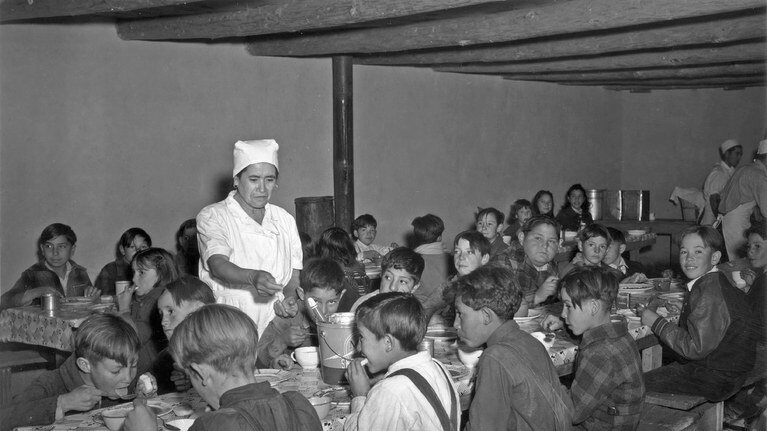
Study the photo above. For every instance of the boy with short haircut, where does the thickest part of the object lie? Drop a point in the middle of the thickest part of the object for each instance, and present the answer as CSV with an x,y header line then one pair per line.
x,y
517,386
470,251
55,272
489,223
321,280
401,271
100,371
364,229
608,389
417,392
714,342
593,241
613,257
427,240
216,345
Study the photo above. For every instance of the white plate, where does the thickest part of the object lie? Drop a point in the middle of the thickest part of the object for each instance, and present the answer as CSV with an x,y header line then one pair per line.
x,y
638,287
271,375
637,232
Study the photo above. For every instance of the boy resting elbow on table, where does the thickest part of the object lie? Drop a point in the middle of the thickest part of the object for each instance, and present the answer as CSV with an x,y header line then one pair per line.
x,y
517,386
55,272
714,340
401,271
216,345
100,371
322,280
608,389
417,392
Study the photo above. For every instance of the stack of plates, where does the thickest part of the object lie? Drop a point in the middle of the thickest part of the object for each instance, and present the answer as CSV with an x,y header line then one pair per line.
x,y
532,314
635,287
637,232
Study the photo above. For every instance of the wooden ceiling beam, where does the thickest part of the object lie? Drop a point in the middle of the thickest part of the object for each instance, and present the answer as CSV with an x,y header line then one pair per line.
x,y
639,89
13,10
550,20
284,16
727,70
745,52
723,82
688,33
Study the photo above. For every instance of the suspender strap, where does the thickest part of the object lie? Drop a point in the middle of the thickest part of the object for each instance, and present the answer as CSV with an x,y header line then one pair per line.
x,y
448,424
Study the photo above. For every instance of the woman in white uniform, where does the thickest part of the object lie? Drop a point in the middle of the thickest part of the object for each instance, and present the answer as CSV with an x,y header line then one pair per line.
x,y
250,249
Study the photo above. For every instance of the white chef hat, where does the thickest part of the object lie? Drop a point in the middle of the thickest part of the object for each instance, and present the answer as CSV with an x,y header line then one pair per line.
x,y
260,151
728,144
762,147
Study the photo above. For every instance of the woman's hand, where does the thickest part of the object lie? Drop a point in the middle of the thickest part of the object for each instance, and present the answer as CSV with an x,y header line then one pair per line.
x,y
263,283
359,382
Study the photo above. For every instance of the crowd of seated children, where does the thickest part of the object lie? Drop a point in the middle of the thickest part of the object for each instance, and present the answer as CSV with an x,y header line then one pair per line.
x,y
517,386
321,280
427,241
538,274
216,345
335,243
543,203
608,389
364,230
521,211
575,214
178,300
100,371
401,271
713,342
153,269
131,242
614,255
489,222
417,391
187,251
55,272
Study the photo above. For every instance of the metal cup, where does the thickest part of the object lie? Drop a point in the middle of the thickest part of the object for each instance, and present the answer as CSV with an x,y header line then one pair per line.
x,y
49,302
427,345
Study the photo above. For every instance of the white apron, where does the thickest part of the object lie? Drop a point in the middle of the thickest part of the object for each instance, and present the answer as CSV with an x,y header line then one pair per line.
x,y
734,224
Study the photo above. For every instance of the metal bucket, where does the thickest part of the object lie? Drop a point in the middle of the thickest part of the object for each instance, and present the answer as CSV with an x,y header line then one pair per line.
x,y
336,350
635,205
596,199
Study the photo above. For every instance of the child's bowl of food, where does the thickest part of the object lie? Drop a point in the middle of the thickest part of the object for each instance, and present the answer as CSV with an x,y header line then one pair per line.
x,y
114,418
321,405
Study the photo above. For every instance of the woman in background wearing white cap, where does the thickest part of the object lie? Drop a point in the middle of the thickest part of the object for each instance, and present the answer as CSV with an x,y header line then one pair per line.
x,y
730,151
746,190
250,249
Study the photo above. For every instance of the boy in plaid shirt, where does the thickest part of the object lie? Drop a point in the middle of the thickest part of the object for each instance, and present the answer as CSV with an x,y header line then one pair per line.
x,y
608,389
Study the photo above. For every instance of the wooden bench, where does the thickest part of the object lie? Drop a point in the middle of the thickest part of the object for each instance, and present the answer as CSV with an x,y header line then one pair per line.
x,y
16,360
676,412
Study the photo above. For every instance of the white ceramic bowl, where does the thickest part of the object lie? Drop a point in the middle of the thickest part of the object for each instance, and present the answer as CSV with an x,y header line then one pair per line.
x,y
182,424
114,418
321,405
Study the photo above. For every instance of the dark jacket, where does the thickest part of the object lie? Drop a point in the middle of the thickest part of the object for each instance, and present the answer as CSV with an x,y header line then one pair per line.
x,y
256,407
571,220
36,405
112,272
144,313
38,275
714,328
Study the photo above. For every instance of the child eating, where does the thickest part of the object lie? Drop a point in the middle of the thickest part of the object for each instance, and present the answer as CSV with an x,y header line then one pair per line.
x,y
100,371
608,389
417,392
517,386
322,281
593,242
613,257
216,345
489,223
131,242
401,271
713,341
55,272
364,230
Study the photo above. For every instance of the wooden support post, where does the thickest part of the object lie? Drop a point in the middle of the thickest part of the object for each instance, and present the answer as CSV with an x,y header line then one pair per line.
x,y
343,142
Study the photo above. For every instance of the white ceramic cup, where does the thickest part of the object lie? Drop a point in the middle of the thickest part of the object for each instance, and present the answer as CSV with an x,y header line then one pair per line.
x,y
307,357
739,281
120,286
